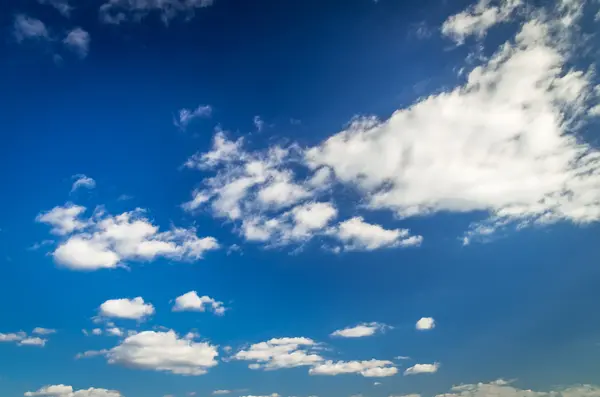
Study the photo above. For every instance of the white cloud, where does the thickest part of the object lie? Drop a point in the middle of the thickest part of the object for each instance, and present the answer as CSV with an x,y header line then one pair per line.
x,y
190,301
356,234
164,351
259,123
105,241
81,180
61,5
186,116
502,143
267,395
425,323
68,391
43,331
502,388
422,369
280,353
360,330
78,40
64,220
478,19
114,331
219,392
133,309
33,341
25,27
366,368
117,11
12,337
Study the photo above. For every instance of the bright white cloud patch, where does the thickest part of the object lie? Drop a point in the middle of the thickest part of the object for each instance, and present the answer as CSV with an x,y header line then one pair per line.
x,y
133,309
105,241
186,116
25,27
22,339
422,369
502,143
366,368
68,391
425,323
43,331
117,11
360,330
280,353
478,19
192,302
78,40
356,234
164,351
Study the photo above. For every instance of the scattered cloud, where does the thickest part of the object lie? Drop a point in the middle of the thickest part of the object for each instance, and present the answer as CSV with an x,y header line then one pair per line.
x,y
43,331
502,388
118,11
105,241
478,19
61,5
280,353
425,323
78,40
161,351
366,368
186,116
33,341
266,395
360,330
422,369
22,339
259,123
132,309
81,180
25,27
192,302
356,234
68,391
219,392
43,243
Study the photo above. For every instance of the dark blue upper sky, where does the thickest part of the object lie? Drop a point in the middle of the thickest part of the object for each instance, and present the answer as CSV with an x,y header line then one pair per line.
x,y
309,167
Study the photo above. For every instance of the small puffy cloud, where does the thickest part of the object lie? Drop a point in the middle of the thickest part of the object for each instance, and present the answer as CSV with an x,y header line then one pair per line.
x,y
356,234
33,341
360,330
425,323
78,40
366,368
68,391
279,353
61,5
264,395
186,116
43,331
164,351
106,241
478,19
422,369
118,11
114,331
133,309
64,220
192,302
81,180
12,337
25,27
220,392
502,388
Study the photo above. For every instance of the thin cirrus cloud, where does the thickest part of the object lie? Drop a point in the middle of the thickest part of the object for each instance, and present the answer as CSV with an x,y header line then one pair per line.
x,y
186,116
119,11
62,6
360,330
82,181
190,301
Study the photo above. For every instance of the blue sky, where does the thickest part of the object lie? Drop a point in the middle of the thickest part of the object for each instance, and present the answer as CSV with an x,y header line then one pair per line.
x,y
284,199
